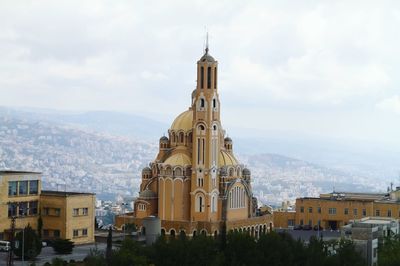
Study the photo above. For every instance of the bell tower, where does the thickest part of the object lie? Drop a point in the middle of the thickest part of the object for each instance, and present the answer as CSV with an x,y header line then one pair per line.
x,y
207,135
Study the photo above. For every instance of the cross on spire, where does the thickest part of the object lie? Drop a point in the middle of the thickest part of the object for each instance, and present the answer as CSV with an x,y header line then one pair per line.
x,y
206,43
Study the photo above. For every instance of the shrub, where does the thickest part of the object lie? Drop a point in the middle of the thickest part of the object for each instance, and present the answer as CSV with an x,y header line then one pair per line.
x,y
32,244
63,246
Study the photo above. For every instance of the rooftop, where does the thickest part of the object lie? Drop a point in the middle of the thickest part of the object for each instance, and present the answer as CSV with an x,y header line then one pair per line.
x,y
64,193
14,172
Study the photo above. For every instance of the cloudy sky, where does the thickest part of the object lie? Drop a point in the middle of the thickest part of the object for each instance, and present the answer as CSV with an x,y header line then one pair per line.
x,y
318,68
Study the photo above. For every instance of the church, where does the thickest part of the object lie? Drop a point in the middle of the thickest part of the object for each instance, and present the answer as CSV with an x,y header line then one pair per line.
x,y
196,184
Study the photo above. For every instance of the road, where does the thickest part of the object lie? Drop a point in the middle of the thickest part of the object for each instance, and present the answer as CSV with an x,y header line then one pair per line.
x,y
47,254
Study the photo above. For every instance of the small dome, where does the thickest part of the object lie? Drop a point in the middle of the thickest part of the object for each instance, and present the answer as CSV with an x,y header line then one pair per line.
x,y
226,159
183,121
147,193
164,139
223,171
207,58
228,139
246,171
146,170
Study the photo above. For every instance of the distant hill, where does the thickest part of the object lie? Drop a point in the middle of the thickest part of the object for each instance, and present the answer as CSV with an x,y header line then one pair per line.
x,y
88,152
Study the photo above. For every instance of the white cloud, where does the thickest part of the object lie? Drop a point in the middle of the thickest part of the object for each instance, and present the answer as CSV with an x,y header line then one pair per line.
x,y
391,104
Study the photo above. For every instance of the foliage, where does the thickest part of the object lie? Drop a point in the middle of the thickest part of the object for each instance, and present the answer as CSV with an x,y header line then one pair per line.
x,y
31,242
130,253
389,252
95,258
40,226
109,245
130,227
63,246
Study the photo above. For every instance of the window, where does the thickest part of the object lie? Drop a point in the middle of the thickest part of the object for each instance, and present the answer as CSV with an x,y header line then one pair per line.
x,y
214,203
76,212
12,188
332,211
309,222
202,103
141,207
76,233
23,208
355,212
309,209
208,77
12,210
199,203
57,211
84,232
389,213
319,209
56,233
202,77
377,213
200,182
237,198
302,209
215,78
45,232
301,222
291,222
346,211
22,187
46,211
33,208
33,187
85,211
364,212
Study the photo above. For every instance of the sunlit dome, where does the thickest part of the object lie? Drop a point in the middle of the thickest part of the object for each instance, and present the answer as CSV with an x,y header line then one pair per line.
x,y
183,122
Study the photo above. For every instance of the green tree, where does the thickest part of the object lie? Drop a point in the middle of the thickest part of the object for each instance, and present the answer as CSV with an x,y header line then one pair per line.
x,y
389,252
63,246
40,226
130,253
95,258
30,241
109,246
346,255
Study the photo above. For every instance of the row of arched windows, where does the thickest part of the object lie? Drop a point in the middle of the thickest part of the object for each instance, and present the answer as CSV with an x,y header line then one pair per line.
x,y
200,203
237,198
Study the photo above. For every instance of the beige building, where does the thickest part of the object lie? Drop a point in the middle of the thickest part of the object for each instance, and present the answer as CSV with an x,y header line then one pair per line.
x,y
196,183
19,197
334,210
64,214
68,215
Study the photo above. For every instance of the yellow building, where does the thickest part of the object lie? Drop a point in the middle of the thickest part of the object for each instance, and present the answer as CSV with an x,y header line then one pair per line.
x,y
336,209
19,196
68,215
195,183
64,214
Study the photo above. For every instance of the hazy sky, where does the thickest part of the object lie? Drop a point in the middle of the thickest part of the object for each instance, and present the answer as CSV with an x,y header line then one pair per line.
x,y
323,68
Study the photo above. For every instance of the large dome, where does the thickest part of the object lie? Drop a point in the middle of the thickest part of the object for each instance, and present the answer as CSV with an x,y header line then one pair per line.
x,y
183,122
178,159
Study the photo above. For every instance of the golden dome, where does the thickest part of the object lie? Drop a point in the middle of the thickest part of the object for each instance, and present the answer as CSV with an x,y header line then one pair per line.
x,y
178,159
226,159
183,122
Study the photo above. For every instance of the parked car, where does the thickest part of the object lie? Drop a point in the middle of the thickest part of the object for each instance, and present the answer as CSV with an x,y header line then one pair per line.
x,y
5,246
316,228
298,227
307,227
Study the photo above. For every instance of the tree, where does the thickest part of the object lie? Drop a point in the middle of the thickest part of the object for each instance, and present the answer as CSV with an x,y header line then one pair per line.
x,y
30,241
389,252
40,226
109,246
63,246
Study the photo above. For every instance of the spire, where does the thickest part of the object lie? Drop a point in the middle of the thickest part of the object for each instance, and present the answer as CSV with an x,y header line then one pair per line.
x,y
206,43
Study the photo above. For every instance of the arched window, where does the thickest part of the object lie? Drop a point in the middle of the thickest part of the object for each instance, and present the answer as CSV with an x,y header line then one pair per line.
x,y
215,78
199,203
237,198
202,103
214,203
214,103
208,77
202,77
